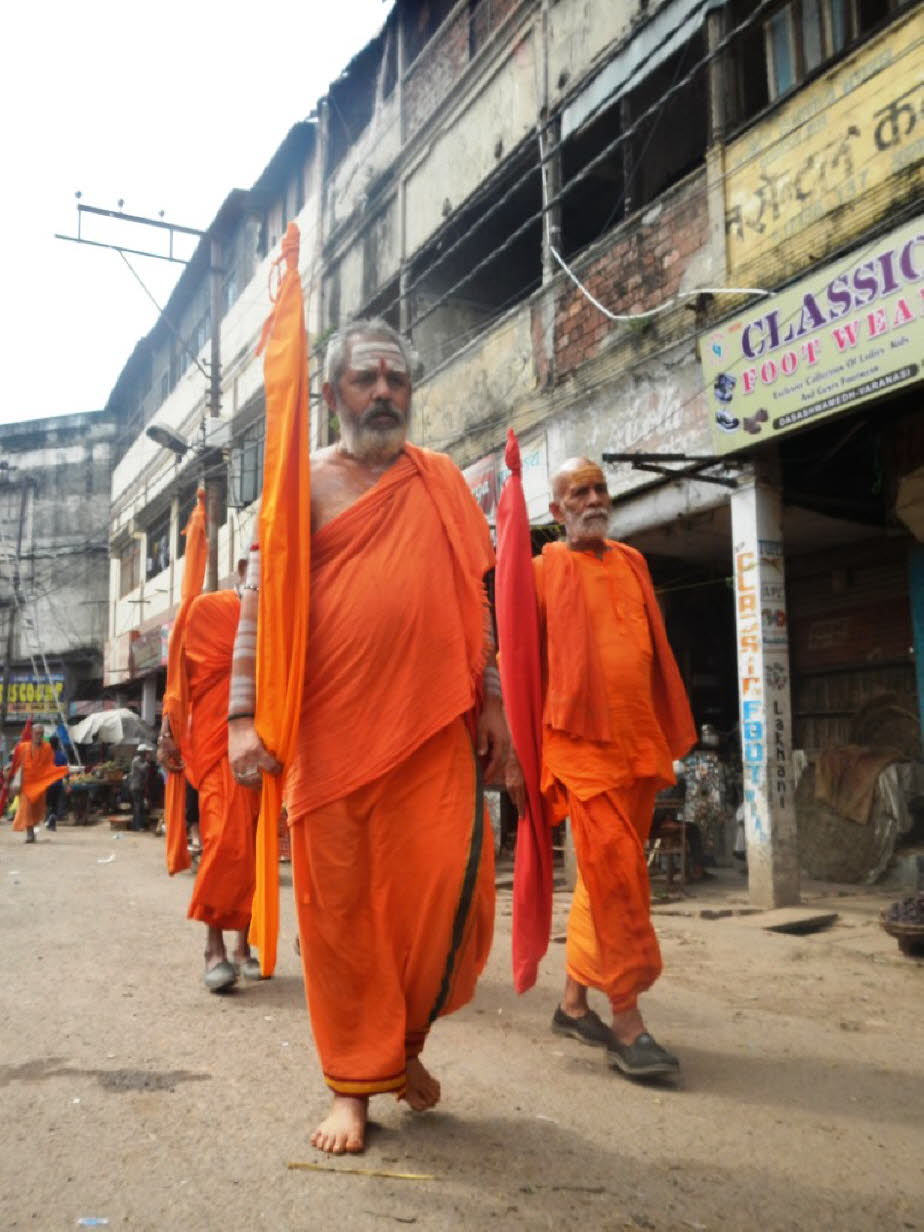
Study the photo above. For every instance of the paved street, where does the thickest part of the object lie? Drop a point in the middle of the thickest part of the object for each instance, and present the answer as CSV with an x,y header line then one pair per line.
x,y
131,1094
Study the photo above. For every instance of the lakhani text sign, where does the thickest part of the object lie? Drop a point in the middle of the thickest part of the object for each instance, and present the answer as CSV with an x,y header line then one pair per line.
x,y
851,332
38,696
831,158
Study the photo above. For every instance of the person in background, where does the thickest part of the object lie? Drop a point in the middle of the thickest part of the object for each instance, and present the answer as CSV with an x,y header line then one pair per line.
x,y
38,773
616,717
138,786
55,795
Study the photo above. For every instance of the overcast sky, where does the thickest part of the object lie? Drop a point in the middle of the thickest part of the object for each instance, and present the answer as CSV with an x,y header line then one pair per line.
x,y
167,106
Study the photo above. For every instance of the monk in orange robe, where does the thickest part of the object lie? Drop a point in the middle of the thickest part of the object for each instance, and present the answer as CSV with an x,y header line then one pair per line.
x,y
224,885
37,762
391,851
615,718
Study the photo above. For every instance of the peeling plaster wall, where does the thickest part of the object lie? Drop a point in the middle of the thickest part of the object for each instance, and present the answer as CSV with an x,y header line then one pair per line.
x,y
579,31
373,153
462,151
477,389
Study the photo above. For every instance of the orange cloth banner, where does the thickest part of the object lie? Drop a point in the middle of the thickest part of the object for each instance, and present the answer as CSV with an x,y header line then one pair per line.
x,y
176,694
285,553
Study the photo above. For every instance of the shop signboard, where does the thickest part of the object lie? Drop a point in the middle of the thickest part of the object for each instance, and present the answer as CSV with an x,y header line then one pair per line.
x,y
825,164
852,332
481,478
534,457
38,696
149,650
487,476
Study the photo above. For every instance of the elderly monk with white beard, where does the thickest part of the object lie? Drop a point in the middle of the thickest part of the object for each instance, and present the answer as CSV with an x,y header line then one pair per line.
x,y
401,720
615,717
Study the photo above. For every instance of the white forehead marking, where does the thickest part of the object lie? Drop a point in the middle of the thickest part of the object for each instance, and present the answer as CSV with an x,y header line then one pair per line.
x,y
368,354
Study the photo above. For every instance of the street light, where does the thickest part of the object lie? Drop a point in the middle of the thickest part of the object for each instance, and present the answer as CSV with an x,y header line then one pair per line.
x,y
167,438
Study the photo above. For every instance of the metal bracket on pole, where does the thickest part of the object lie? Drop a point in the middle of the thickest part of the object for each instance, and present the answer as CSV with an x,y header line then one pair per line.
x,y
692,466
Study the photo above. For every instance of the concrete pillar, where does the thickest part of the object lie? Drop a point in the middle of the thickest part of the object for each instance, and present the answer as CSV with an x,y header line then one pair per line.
x,y
763,692
149,698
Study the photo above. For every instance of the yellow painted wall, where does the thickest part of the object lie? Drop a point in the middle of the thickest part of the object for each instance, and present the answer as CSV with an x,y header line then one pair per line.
x,y
831,163
479,385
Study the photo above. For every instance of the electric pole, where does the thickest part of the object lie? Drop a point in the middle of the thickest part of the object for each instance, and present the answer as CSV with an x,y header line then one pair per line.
x,y
214,487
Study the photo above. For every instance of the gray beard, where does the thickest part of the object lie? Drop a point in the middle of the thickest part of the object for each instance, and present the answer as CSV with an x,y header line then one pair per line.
x,y
371,444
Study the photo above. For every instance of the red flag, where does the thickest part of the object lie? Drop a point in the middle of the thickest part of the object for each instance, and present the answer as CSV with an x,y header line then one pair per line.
x,y
521,679
285,558
176,701
15,762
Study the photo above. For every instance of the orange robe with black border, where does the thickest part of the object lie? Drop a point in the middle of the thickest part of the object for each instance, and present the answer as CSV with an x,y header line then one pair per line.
x,y
38,773
223,891
391,849
616,716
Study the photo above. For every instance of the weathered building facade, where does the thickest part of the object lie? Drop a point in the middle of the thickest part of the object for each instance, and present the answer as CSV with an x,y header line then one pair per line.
x,y
55,477
575,208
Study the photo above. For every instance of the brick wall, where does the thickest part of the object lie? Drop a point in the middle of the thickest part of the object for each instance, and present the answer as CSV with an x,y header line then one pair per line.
x,y
435,70
641,266
446,56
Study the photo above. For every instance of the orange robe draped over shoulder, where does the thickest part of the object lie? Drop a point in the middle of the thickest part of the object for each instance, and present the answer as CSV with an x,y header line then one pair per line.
x,y
224,885
392,866
38,773
616,716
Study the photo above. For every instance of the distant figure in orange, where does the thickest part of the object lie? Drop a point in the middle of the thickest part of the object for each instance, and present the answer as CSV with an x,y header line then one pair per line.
x,y
37,763
615,717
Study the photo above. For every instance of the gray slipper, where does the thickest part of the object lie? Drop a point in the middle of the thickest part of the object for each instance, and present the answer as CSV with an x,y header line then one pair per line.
x,y
250,968
643,1058
221,976
589,1028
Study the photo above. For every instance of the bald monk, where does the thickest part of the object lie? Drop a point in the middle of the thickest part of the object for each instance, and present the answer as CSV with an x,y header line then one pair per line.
x,y
401,720
224,886
615,717
37,761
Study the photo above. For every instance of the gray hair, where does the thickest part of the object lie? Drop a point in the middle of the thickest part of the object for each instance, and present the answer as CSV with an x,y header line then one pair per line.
x,y
335,356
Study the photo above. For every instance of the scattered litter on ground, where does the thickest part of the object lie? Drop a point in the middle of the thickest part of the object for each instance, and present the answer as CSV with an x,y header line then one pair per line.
x,y
106,859
540,1117
92,1221
391,1176
396,1218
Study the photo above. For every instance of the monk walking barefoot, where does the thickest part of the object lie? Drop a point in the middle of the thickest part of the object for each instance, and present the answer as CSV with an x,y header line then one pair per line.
x,y
401,720
343,1130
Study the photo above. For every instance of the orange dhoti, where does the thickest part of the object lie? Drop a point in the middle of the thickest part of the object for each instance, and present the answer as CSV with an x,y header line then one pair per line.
x,y
393,875
615,716
38,773
399,882
223,893
611,943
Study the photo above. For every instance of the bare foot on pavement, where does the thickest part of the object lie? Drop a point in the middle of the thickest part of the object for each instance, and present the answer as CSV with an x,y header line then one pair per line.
x,y
344,1127
422,1090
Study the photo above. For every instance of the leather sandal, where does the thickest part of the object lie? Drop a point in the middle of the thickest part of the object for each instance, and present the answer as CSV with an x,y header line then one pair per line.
x,y
589,1028
643,1058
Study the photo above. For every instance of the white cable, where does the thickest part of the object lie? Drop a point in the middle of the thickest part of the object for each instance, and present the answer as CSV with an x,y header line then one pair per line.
x,y
651,312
